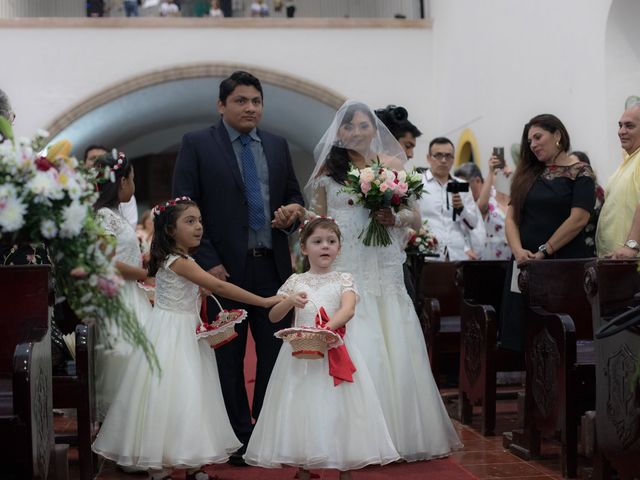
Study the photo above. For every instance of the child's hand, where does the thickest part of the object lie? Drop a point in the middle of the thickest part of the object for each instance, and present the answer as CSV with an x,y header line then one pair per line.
x,y
329,326
298,300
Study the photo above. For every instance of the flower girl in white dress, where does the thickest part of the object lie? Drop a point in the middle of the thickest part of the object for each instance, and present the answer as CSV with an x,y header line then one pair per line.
x,y
174,418
320,413
116,185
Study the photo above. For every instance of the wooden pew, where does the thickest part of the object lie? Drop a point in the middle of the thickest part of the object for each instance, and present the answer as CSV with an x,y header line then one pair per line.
x,y
26,415
74,388
480,356
439,296
611,286
559,358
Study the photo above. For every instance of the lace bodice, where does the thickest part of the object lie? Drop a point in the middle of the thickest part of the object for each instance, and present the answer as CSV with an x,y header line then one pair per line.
x,y
376,269
127,246
324,290
176,293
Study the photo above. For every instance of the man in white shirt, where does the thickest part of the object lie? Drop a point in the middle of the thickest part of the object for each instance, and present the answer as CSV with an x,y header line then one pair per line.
x,y
451,216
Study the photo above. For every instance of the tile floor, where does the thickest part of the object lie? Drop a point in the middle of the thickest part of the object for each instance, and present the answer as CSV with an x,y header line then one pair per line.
x,y
484,457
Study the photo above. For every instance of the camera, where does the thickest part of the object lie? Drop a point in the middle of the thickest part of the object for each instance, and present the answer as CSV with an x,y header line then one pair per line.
x,y
457,187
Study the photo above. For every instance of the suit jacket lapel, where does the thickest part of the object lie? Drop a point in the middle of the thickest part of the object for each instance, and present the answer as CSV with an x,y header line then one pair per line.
x,y
221,137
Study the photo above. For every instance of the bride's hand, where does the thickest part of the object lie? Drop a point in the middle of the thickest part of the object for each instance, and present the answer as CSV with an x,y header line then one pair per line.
x,y
385,216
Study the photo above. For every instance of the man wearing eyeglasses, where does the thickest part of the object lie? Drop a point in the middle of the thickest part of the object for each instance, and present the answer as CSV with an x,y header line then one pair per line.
x,y
448,206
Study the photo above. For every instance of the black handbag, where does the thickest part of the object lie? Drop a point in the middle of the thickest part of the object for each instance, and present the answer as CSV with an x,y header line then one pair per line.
x,y
629,320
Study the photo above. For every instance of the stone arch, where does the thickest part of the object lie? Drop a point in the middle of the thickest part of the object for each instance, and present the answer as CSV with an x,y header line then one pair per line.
x,y
200,70
148,114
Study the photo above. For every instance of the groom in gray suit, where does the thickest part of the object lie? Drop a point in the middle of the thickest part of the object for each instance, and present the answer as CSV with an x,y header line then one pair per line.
x,y
243,180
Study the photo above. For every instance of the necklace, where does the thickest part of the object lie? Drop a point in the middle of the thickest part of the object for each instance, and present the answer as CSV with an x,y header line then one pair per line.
x,y
553,163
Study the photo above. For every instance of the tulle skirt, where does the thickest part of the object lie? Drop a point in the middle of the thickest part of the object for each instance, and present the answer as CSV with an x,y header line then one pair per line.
x,y
173,419
113,352
308,422
387,332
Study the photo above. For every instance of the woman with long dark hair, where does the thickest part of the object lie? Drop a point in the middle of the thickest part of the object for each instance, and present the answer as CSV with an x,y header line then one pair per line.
x,y
552,197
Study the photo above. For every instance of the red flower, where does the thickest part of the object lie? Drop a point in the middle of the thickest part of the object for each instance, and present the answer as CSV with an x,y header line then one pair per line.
x,y
395,200
43,164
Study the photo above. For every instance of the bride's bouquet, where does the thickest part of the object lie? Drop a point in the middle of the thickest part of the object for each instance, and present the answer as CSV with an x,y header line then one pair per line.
x,y
377,187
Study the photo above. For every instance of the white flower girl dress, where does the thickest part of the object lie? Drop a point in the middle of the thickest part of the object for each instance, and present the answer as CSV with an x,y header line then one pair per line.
x,y
112,351
387,332
306,420
175,418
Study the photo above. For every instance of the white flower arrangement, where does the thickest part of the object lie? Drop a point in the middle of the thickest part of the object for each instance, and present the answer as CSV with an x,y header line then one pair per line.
x,y
46,201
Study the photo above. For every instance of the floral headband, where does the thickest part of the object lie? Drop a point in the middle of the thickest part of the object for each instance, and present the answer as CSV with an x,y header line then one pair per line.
x,y
108,174
119,158
304,224
161,207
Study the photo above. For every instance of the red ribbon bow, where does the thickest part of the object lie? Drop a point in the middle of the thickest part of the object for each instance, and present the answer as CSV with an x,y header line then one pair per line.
x,y
341,368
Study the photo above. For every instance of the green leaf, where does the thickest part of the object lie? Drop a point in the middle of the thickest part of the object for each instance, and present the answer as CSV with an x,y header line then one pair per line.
x,y
5,128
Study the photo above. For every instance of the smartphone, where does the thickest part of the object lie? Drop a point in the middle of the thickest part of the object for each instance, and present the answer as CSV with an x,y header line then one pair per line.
x,y
499,153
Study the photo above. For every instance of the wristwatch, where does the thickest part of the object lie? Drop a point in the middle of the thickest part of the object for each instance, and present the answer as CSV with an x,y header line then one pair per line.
x,y
543,249
633,245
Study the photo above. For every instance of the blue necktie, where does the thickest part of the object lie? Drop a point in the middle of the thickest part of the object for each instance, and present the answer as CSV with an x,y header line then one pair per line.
x,y
252,184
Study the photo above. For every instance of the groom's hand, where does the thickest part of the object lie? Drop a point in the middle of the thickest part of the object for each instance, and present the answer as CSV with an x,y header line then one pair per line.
x,y
219,272
286,215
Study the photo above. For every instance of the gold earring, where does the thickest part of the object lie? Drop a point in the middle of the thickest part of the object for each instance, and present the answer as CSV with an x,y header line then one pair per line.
x,y
558,144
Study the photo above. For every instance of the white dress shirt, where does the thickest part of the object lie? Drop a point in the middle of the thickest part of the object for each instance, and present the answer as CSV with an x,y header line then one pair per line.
x,y
129,210
436,206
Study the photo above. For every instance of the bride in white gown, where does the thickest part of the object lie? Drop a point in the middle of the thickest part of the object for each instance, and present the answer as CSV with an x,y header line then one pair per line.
x,y
385,327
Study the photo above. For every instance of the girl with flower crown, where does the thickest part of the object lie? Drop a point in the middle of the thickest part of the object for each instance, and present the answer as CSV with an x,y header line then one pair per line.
x,y
115,180
385,326
320,413
175,418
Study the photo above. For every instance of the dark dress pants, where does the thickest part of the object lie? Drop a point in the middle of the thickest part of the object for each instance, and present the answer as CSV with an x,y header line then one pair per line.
x,y
262,279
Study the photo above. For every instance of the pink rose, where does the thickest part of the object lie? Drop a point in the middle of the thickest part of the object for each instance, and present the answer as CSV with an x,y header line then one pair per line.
x,y
384,187
402,188
78,272
392,186
108,287
365,187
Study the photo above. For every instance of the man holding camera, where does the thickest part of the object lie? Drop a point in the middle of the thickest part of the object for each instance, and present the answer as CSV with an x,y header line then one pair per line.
x,y
447,204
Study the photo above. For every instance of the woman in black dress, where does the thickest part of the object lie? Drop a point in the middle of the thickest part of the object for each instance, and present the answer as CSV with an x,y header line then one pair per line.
x,y
552,197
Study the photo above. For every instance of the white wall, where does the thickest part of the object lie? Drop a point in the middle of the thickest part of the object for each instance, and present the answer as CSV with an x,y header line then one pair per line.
x,y
55,69
622,66
491,64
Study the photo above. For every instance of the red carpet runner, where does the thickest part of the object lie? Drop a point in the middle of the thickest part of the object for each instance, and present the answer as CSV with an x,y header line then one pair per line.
x,y
444,469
